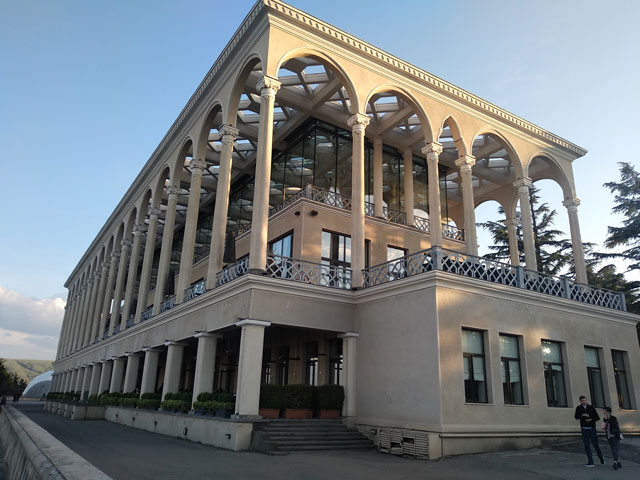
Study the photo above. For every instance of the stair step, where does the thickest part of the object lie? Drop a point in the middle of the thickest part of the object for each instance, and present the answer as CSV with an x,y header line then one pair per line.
x,y
323,447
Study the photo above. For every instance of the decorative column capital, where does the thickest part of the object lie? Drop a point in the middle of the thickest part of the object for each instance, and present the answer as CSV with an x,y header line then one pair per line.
x,y
512,222
137,230
154,212
572,204
256,323
523,183
115,255
150,349
268,86
173,343
207,335
173,192
229,133
90,283
432,151
349,335
105,265
358,122
197,167
126,244
132,354
465,162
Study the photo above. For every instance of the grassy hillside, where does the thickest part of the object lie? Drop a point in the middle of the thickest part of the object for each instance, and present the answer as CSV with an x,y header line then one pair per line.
x,y
27,369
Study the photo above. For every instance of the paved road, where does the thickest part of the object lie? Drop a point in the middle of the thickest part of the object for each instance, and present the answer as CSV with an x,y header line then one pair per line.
x,y
125,453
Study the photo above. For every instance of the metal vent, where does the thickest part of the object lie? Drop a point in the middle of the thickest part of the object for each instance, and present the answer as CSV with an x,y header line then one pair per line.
x,y
405,443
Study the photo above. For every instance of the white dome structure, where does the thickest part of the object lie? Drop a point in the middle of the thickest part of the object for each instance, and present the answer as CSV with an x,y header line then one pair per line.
x,y
39,386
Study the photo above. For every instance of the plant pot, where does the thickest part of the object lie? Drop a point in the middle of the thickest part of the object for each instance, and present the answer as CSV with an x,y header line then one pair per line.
x,y
269,412
224,412
298,413
329,414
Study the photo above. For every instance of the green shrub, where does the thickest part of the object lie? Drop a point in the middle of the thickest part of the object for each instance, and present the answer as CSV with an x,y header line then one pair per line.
x,y
205,397
270,396
330,397
297,396
148,403
92,400
128,402
176,405
151,396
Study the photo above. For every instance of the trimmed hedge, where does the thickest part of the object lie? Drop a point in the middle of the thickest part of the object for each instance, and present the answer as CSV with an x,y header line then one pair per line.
x,y
148,403
176,405
270,396
330,397
297,396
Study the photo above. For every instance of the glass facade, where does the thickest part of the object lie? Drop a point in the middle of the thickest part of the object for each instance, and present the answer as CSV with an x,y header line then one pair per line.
x,y
511,375
475,381
622,385
554,374
594,374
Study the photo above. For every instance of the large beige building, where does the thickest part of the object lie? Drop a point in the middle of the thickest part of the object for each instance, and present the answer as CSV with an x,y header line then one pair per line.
x,y
309,218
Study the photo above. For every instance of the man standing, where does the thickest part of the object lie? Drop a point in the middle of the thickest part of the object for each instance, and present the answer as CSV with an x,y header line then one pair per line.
x,y
588,417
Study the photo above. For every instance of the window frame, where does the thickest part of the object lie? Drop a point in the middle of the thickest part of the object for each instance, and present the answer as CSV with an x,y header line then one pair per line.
x,y
507,370
616,374
475,392
592,372
564,377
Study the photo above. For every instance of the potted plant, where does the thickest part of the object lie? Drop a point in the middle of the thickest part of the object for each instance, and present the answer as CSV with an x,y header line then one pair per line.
x,y
297,401
270,400
330,401
224,405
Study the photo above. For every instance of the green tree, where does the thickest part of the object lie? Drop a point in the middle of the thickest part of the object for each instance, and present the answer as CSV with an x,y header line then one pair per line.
x,y
627,198
553,253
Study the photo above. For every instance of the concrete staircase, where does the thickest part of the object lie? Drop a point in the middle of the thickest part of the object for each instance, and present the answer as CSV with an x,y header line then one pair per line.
x,y
280,436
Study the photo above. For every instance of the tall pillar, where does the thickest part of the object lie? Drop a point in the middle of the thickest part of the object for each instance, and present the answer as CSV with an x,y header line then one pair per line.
x,y
358,124
88,339
117,294
432,151
72,325
79,380
86,382
147,262
407,157
250,366
131,374
576,239
105,376
116,374
149,370
67,326
523,185
84,320
97,314
63,330
133,274
84,301
191,224
221,209
108,295
66,381
512,234
173,367
378,202
465,163
74,378
96,372
268,87
349,344
205,363
165,250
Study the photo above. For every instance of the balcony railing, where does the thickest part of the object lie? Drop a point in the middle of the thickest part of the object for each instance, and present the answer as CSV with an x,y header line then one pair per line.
x,y
168,304
116,330
195,290
147,314
308,272
131,321
232,272
490,271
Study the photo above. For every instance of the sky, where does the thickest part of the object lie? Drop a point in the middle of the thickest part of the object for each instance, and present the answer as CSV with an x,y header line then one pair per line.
x,y
88,90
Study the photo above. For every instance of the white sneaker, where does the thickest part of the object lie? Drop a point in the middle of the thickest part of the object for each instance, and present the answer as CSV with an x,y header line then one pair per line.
x,y
589,465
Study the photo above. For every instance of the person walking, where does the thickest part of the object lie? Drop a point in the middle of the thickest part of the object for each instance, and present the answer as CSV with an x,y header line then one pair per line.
x,y
588,417
612,431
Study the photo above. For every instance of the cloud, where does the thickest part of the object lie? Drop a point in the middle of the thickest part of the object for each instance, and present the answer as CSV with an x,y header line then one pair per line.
x,y
37,317
14,344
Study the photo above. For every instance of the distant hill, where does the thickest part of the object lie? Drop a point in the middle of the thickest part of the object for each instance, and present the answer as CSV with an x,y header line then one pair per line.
x,y
27,369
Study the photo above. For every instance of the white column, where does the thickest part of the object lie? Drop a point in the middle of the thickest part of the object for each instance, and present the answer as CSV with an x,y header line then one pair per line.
x,y
108,293
105,376
268,87
117,295
191,224
116,374
377,178
432,151
65,326
132,275
96,372
165,250
77,319
407,157
86,382
349,344
576,239
88,339
68,326
250,367
221,209
74,377
97,314
149,370
523,185
173,367
465,163
512,234
86,322
205,363
131,374
77,387
147,262
358,124
66,381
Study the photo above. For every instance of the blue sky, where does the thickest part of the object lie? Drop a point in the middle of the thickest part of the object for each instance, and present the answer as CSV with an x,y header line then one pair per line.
x,y
88,90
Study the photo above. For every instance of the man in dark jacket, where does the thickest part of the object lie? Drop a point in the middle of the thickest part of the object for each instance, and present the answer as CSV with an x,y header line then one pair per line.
x,y
588,417
612,432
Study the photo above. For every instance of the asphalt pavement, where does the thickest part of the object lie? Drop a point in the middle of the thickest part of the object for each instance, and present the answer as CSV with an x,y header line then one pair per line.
x,y
124,453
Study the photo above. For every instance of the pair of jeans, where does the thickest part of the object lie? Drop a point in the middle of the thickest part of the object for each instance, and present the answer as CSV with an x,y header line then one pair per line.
x,y
589,435
614,443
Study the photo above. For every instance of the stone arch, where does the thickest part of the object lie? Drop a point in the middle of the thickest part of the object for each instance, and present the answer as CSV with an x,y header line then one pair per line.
x,y
555,173
461,145
179,161
209,122
160,185
519,168
248,65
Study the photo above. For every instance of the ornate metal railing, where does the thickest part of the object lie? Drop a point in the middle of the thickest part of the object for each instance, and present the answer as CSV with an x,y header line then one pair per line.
x,y
491,271
452,232
96,339
131,321
195,290
147,314
105,334
232,272
421,223
116,330
308,272
168,304
395,216
200,257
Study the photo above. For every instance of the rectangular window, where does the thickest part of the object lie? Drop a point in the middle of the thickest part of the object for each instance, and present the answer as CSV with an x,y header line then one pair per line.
x,y
511,375
311,363
622,386
475,382
395,254
266,365
281,250
594,375
282,246
336,252
554,374
335,361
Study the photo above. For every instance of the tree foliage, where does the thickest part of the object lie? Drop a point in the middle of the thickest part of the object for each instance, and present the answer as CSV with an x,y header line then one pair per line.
x,y
10,383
